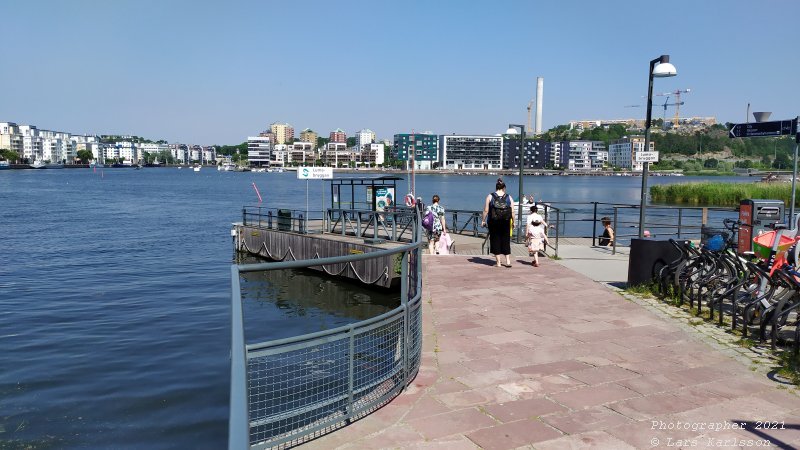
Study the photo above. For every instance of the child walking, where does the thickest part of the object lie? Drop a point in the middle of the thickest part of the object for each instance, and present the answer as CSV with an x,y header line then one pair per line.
x,y
537,240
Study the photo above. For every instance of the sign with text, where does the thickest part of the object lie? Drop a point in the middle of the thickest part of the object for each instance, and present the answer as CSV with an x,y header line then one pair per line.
x,y
646,156
760,129
314,173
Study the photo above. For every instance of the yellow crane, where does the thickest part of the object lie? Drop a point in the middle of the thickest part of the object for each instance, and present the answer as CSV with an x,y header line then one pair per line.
x,y
677,93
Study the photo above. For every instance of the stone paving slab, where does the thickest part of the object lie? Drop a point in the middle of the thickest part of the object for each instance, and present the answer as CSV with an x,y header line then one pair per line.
x,y
547,358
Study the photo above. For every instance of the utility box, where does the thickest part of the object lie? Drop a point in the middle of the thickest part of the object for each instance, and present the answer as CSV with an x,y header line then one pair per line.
x,y
755,215
284,220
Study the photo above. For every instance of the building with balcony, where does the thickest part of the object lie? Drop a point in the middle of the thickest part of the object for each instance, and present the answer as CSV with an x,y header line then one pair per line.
x,y
585,155
371,155
472,152
422,148
364,137
622,152
336,154
302,153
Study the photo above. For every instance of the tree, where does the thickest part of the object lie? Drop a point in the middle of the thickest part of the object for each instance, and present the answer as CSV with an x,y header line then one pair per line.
x,y
85,155
710,163
9,155
351,142
781,161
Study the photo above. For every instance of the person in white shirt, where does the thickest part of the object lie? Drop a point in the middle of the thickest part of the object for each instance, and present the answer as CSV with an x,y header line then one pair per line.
x,y
535,216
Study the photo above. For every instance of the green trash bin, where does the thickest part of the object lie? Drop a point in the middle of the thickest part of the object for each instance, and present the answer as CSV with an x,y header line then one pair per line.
x,y
284,220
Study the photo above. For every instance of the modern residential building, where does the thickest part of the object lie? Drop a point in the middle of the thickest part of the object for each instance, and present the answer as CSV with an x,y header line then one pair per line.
x,y
472,152
309,135
279,155
335,154
283,132
555,157
259,149
338,135
364,137
371,155
302,152
533,155
622,152
585,155
11,138
180,152
422,148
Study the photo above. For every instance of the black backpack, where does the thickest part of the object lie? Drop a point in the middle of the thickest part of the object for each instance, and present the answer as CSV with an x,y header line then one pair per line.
x,y
501,210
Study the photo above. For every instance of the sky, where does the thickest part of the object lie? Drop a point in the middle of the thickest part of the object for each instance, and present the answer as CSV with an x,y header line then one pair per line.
x,y
207,73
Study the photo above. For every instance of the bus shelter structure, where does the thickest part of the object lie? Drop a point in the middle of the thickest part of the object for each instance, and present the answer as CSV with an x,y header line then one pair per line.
x,y
364,193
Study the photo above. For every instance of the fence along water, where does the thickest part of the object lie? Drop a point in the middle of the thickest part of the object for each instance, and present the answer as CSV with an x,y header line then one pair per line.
x,y
287,391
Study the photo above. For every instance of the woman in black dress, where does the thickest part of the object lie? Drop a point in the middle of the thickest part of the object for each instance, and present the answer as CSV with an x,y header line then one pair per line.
x,y
497,213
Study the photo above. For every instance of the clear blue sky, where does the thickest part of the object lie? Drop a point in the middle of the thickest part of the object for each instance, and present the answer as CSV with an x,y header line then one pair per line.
x,y
206,73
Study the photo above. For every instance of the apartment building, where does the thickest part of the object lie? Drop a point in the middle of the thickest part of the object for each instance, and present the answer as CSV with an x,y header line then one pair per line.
x,y
309,135
10,137
422,148
472,152
585,155
259,149
622,152
338,136
302,152
371,155
336,154
533,153
364,137
283,132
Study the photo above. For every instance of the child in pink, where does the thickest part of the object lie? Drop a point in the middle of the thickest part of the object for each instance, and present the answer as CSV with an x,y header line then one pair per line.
x,y
537,240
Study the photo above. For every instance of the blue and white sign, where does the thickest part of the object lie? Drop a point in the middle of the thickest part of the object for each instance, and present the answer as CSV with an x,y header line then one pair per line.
x,y
314,173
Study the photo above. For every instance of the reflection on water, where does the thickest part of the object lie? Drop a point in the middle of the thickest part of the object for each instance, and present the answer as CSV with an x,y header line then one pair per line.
x,y
285,303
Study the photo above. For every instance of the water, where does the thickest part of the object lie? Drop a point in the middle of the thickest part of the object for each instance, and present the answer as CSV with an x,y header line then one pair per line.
x,y
115,293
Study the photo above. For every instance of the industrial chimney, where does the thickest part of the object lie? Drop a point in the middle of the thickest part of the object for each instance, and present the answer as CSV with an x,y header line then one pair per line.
x,y
762,116
539,91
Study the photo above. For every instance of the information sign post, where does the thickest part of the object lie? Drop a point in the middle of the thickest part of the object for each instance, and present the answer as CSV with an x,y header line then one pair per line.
x,y
315,173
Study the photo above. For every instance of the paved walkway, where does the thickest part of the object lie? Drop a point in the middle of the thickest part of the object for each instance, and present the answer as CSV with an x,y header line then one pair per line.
x,y
548,358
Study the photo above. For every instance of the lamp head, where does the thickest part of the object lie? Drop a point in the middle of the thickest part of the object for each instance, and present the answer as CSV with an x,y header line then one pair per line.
x,y
664,68
512,130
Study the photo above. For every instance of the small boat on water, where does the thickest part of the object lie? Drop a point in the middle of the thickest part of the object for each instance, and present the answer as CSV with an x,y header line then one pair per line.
x,y
38,164
196,167
4,165
227,167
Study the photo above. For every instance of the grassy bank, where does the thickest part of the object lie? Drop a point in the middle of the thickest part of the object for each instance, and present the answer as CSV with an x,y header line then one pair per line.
x,y
719,194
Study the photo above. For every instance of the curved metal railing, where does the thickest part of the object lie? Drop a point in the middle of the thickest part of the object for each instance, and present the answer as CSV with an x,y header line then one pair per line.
x,y
285,392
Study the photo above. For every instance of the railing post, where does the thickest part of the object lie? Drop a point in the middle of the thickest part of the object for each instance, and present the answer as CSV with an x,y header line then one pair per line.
x,y
406,315
614,242
350,386
704,220
269,219
594,225
343,215
244,215
238,420
558,225
680,221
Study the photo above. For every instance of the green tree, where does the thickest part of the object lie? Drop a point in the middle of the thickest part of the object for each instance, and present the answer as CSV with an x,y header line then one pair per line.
x,y
781,161
710,163
9,155
85,155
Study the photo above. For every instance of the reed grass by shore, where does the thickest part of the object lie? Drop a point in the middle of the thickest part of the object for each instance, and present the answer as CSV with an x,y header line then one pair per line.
x,y
719,194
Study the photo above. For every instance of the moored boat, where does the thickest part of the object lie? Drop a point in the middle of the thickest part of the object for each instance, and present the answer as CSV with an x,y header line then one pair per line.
x,y
4,165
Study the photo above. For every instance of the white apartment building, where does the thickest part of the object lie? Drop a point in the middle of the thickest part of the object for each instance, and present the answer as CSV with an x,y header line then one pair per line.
x,y
364,137
621,153
586,155
371,155
10,137
258,150
180,152
472,152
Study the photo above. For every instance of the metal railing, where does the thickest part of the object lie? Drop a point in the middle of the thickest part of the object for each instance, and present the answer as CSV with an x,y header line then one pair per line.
x,y
289,220
393,225
287,391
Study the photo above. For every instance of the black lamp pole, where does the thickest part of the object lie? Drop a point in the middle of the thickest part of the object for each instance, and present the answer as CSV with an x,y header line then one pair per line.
x,y
521,167
645,165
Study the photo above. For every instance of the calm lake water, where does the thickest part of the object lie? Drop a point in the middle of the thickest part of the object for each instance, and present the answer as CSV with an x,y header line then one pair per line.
x,y
115,295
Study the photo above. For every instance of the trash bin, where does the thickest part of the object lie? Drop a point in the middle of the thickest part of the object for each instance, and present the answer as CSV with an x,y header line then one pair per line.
x,y
647,257
284,220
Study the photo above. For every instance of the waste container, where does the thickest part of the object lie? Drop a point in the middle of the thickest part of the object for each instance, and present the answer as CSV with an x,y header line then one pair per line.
x,y
647,257
755,216
284,220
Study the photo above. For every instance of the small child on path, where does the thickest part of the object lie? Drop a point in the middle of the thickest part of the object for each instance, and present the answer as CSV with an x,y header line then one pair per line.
x,y
537,240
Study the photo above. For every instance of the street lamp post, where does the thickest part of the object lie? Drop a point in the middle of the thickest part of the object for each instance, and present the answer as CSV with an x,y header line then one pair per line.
x,y
512,129
659,68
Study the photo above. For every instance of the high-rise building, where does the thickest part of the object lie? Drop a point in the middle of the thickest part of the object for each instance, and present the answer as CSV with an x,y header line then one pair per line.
x,y
423,148
338,135
364,137
309,135
283,132
585,155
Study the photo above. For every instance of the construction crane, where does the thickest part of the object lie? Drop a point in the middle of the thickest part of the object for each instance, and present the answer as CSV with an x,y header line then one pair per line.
x,y
677,93
530,105
663,105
